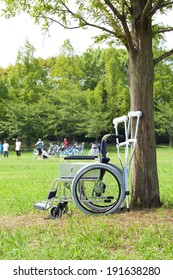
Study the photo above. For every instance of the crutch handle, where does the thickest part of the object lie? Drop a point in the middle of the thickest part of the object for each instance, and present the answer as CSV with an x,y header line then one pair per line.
x,y
122,119
134,114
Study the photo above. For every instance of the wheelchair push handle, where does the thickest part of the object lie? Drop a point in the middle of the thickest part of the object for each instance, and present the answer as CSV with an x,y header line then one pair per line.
x,y
103,146
112,135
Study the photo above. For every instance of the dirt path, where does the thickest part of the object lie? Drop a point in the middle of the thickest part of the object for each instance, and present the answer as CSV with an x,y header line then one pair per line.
x,y
142,217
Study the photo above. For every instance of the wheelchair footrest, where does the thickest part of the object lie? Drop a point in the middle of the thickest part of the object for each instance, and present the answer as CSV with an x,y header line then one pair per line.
x,y
42,205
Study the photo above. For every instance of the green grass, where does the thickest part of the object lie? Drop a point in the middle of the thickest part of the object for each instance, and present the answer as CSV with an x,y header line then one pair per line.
x,y
26,233
165,171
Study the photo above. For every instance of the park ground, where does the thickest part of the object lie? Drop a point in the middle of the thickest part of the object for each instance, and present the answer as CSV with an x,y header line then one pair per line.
x,y
26,233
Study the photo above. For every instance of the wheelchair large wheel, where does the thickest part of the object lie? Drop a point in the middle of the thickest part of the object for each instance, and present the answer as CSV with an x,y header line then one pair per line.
x,y
98,189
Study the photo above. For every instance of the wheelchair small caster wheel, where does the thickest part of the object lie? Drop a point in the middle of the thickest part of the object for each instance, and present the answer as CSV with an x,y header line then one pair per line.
x,y
56,212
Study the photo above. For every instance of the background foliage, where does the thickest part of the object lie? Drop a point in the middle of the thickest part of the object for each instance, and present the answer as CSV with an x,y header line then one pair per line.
x,y
74,95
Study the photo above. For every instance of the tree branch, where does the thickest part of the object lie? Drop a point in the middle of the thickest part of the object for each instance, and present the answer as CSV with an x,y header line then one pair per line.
x,y
61,24
85,23
146,10
169,29
163,56
113,9
155,7
166,4
158,6
122,19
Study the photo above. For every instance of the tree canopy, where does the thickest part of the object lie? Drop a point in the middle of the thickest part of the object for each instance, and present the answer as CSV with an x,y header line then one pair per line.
x,y
115,19
45,98
39,98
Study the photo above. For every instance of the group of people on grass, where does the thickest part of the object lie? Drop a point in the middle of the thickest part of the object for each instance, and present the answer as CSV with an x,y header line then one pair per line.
x,y
41,149
4,148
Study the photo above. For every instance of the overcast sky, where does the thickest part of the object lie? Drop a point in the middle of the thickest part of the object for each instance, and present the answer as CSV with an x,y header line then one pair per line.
x,y
15,31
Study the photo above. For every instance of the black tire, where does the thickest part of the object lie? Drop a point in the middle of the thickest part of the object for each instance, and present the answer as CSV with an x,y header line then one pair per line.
x,y
56,212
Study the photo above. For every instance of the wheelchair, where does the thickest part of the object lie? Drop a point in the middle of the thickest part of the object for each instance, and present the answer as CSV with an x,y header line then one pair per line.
x,y
93,183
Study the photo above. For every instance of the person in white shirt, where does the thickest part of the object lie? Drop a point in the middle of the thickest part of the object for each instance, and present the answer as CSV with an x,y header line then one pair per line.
x,y
5,149
17,147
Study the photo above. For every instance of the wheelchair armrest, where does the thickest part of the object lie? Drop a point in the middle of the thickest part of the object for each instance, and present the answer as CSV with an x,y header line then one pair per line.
x,y
81,157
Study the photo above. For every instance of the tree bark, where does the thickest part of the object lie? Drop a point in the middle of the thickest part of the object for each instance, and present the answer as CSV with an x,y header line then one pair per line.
x,y
145,187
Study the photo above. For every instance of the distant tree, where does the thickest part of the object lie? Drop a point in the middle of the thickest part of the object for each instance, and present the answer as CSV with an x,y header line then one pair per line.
x,y
93,67
3,84
164,123
67,65
19,120
116,82
65,115
97,118
163,98
4,99
24,86
26,80
105,74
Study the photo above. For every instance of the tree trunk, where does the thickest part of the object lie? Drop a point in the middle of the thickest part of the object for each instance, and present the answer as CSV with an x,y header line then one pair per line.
x,y
145,187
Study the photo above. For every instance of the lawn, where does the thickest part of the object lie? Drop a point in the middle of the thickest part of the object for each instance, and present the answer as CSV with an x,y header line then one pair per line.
x,y
26,233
